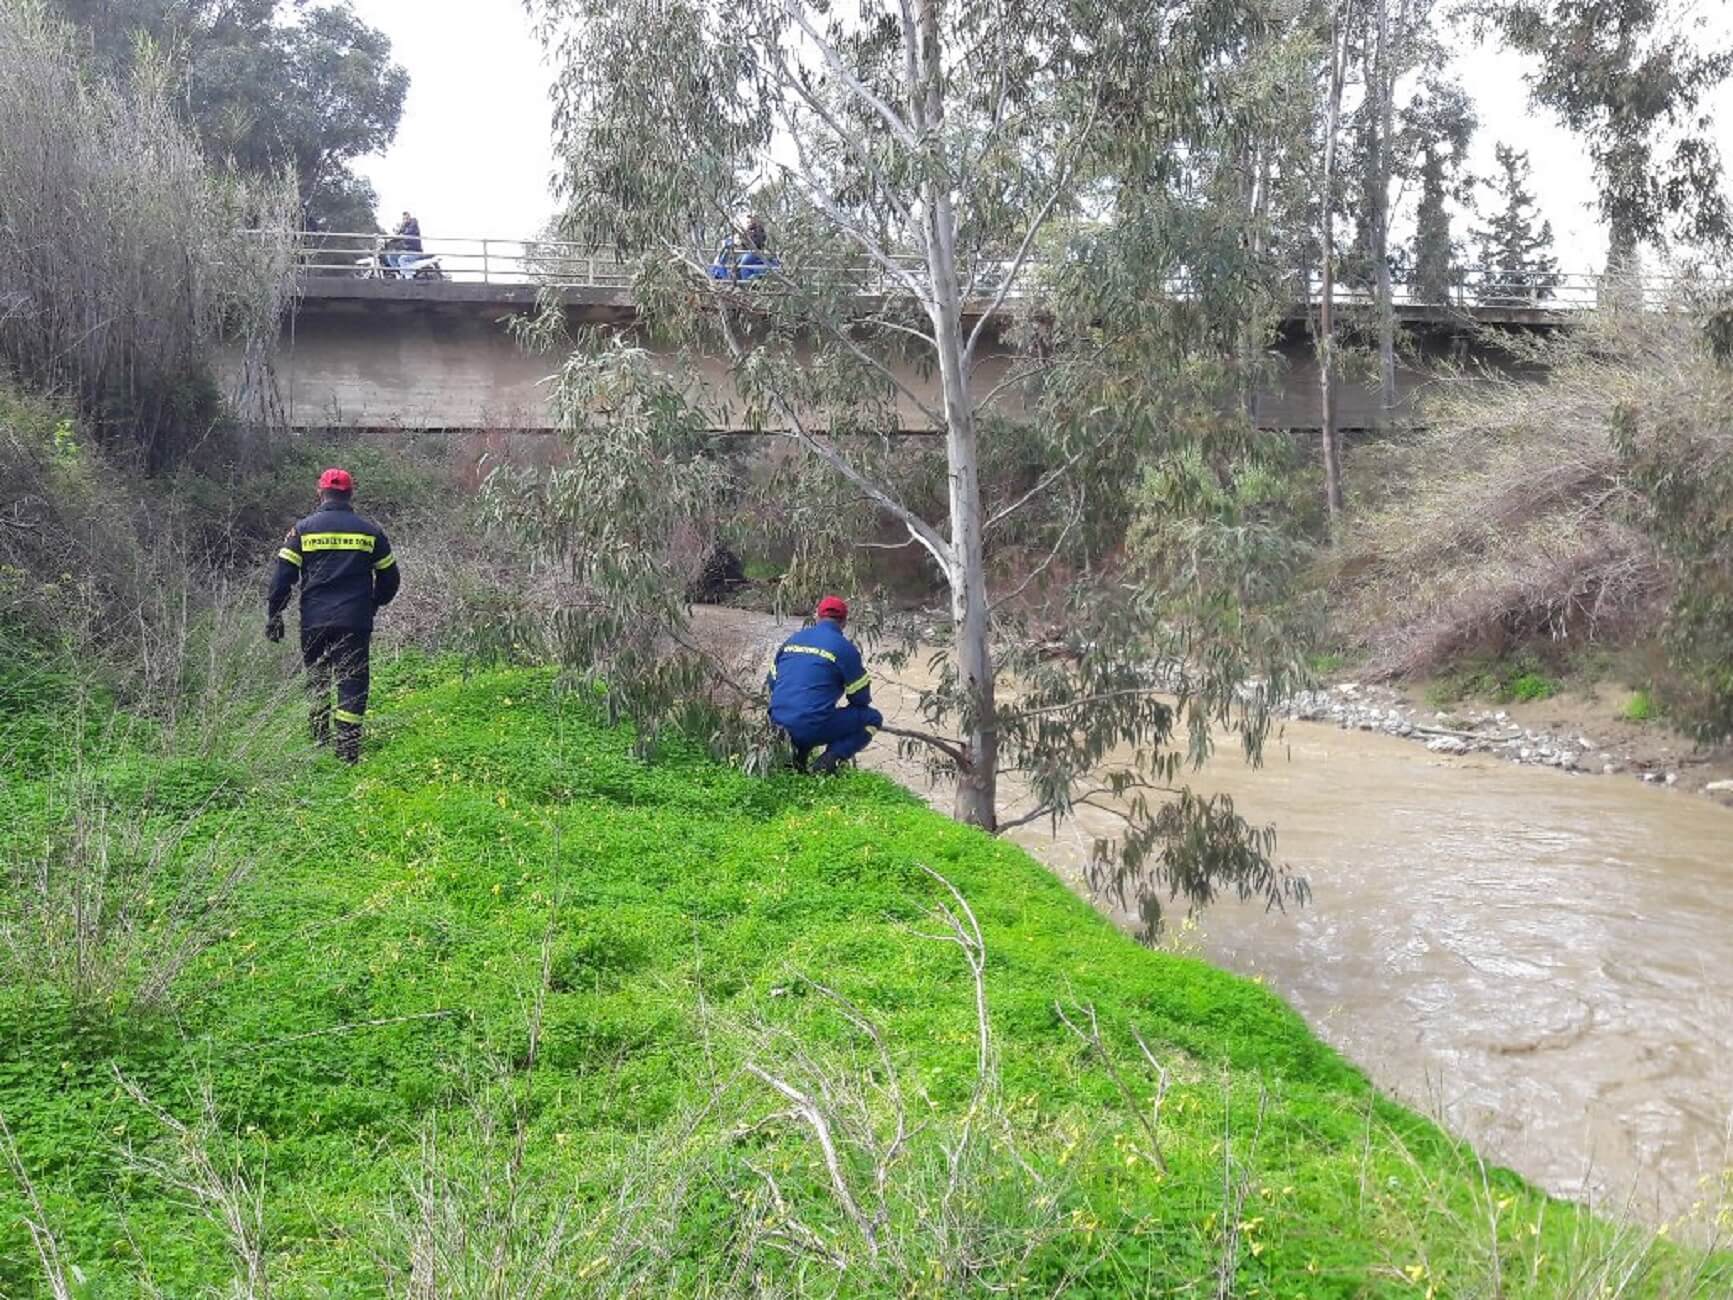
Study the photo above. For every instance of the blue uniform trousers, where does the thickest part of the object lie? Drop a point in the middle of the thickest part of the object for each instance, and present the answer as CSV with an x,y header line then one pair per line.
x,y
843,732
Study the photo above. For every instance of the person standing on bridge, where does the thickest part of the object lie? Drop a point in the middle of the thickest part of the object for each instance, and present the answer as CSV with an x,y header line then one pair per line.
x,y
812,671
347,573
407,240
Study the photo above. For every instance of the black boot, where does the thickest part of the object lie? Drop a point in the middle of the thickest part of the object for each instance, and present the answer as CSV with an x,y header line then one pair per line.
x,y
800,757
349,741
826,765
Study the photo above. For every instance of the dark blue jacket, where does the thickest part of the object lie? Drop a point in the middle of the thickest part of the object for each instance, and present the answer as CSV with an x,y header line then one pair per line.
x,y
344,564
815,668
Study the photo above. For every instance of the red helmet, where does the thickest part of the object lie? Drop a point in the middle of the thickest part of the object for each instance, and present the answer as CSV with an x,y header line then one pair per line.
x,y
833,607
336,480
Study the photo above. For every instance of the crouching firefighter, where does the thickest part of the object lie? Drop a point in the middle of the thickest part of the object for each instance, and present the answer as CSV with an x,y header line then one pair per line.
x,y
812,671
347,571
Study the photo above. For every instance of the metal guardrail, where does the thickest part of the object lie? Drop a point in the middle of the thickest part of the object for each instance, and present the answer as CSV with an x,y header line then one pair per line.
x,y
465,259
558,264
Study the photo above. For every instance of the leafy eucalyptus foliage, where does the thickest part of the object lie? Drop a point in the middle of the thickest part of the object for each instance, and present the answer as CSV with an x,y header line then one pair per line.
x,y
1627,76
1012,265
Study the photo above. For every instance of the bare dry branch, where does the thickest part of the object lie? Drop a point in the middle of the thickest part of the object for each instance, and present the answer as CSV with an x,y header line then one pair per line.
x,y
815,1118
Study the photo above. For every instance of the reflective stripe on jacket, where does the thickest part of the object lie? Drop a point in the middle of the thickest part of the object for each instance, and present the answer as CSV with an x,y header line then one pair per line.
x,y
345,566
815,668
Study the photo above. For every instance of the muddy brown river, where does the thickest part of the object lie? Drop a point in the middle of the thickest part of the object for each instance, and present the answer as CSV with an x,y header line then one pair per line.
x,y
1541,960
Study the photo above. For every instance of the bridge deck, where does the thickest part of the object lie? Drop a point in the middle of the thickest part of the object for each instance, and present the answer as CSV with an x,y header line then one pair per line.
x,y
614,303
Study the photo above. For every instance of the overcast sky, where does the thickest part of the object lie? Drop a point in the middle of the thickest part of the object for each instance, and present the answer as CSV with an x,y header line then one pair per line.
x,y
473,154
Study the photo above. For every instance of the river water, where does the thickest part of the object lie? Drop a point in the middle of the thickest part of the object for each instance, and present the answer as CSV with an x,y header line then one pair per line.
x,y
1543,961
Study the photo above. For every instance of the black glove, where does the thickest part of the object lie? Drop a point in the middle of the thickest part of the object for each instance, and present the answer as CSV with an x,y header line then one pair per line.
x,y
274,628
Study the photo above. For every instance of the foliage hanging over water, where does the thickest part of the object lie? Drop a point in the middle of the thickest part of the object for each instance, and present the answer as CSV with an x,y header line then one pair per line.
x,y
942,264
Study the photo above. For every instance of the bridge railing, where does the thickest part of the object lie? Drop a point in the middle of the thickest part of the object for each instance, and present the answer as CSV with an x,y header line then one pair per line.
x,y
560,264
471,259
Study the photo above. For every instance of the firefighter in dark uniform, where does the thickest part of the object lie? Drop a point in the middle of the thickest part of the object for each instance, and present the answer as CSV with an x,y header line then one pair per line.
x,y
347,571
812,671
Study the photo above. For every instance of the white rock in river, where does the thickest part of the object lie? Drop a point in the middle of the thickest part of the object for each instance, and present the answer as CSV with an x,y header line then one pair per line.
x,y
1719,787
1447,745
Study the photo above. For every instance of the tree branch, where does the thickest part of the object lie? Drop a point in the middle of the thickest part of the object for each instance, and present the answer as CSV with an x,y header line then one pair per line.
x,y
792,9
911,68
955,752
1038,570
850,140
870,246
1035,228
879,322
1045,481
815,1118
841,334
1045,810
880,496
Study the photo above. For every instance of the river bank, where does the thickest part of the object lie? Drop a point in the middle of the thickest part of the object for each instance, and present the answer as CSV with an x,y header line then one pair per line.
x,y
1530,956
570,1021
1576,731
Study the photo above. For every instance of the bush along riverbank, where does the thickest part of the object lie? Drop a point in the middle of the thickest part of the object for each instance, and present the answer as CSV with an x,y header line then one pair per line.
x,y
513,1011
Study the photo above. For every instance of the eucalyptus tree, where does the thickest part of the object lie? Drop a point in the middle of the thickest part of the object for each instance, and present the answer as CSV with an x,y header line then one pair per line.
x,y
1405,129
1340,49
1629,77
1015,225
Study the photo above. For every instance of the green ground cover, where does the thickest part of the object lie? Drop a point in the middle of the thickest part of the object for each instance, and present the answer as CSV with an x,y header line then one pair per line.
x,y
511,1011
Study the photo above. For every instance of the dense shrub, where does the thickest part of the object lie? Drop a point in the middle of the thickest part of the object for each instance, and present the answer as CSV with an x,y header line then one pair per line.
x,y
1679,459
1549,515
123,257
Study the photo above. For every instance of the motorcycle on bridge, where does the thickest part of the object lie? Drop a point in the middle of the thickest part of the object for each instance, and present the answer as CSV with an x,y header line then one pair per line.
x,y
388,263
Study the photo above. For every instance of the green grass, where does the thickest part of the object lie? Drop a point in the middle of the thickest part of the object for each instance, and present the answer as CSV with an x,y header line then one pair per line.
x,y
1532,686
1521,678
1641,707
1325,663
372,1025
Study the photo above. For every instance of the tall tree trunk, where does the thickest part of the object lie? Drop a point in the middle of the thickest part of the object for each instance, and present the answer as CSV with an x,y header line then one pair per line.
x,y
977,787
1257,191
1385,86
1325,342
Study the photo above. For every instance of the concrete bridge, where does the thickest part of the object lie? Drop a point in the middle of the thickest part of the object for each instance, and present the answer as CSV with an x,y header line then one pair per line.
x,y
395,354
